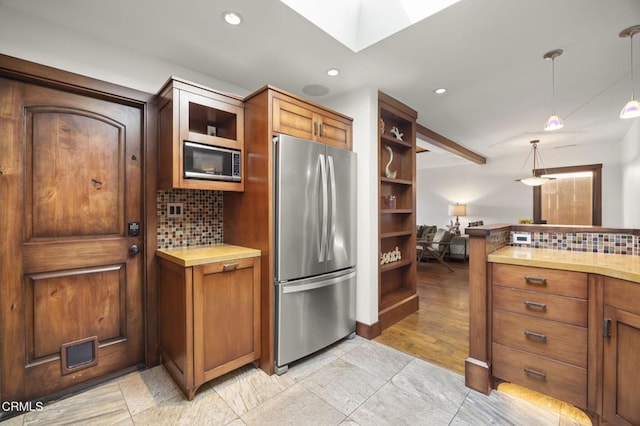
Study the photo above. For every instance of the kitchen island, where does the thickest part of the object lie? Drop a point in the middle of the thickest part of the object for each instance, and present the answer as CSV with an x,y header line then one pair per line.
x,y
556,319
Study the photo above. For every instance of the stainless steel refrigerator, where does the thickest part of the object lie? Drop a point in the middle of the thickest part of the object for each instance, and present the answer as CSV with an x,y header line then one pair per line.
x,y
315,245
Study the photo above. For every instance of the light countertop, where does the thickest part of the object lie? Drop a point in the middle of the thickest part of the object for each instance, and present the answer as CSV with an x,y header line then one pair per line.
x,y
200,255
613,265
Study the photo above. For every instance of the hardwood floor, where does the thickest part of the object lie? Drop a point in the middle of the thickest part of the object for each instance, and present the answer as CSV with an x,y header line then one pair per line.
x,y
439,331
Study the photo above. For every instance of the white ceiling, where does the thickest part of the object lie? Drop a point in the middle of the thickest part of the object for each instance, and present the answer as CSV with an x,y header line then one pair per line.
x,y
488,53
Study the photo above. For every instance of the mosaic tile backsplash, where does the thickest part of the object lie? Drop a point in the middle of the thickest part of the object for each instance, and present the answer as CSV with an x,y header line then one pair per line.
x,y
587,242
201,221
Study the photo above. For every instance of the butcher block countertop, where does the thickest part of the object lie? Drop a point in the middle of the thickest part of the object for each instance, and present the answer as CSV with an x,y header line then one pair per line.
x,y
625,267
200,255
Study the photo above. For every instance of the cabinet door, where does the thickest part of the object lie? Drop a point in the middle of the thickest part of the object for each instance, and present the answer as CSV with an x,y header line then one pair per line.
x,y
294,120
226,317
211,121
621,359
334,132
291,118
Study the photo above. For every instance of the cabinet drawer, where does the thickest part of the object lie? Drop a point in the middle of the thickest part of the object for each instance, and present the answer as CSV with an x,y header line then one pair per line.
x,y
553,281
562,342
565,382
542,305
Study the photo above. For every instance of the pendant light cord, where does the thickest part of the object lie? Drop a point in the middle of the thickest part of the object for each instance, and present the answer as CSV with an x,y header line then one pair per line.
x,y
553,86
631,41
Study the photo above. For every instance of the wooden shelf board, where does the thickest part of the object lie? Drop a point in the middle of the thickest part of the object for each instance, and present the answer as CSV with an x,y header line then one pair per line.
x,y
396,181
396,211
395,265
390,139
396,234
387,301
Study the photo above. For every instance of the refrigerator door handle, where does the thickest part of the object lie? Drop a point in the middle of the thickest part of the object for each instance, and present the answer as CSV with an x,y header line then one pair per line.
x,y
286,289
323,230
332,236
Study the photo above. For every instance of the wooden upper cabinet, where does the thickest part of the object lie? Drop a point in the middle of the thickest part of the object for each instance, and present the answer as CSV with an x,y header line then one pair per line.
x,y
190,112
296,118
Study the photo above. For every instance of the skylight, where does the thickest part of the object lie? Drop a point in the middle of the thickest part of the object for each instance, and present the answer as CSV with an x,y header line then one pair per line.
x,y
360,23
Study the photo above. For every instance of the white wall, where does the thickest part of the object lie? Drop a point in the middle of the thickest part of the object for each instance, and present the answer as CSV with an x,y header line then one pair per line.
x,y
38,41
493,196
630,155
362,107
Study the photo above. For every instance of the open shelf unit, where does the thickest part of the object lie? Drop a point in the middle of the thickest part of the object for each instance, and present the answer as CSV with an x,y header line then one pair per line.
x,y
397,295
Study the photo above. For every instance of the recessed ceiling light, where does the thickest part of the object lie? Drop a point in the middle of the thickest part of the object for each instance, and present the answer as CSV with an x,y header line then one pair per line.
x,y
232,18
333,72
440,91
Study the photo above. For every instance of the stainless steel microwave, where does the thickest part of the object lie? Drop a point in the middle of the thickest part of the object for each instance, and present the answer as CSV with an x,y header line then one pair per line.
x,y
211,162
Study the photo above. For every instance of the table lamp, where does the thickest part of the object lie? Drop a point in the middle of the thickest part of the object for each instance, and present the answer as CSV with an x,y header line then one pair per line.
x,y
457,210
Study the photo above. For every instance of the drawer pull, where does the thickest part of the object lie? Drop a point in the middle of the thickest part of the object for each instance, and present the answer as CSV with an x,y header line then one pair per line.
x,y
535,280
535,335
535,305
230,267
538,374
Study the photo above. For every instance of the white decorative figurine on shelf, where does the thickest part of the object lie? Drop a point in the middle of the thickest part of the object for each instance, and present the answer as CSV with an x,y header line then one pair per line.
x,y
395,132
388,173
390,257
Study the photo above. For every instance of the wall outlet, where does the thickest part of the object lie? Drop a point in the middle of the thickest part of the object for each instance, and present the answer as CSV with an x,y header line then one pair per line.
x,y
174,209
521,238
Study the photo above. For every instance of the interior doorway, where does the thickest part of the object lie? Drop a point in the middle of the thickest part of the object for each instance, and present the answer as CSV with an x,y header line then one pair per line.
x,y
572,197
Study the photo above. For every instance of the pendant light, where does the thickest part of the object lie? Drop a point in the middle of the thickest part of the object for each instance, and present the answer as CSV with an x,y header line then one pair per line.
x,y
534,180
632,108
554,122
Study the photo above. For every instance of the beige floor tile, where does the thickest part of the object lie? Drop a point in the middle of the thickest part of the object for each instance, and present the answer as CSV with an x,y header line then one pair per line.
x,y
14,421
443,388
103,405
394,406
379,360
248,387
294,407
207,408
502,409
307,366
148,388
343,385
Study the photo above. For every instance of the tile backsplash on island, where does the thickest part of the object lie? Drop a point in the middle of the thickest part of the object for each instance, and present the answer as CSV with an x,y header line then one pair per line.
x,y
201,221
585,241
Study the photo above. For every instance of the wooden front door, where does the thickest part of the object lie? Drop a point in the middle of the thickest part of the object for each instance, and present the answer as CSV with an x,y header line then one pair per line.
x,y
71,185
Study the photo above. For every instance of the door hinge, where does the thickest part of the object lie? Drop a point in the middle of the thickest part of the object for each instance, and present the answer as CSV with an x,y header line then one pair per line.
x,y
606,327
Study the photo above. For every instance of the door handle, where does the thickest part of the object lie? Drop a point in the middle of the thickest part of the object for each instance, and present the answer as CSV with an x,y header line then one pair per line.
x,y
325,207
133,250
332,235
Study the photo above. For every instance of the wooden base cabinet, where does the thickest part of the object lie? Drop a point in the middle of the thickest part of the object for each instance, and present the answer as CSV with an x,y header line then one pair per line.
x,y
209,319
540,335
621,394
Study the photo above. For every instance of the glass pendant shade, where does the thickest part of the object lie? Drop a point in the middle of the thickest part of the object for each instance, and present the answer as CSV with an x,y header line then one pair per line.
x,y
631,109
554,123
534,181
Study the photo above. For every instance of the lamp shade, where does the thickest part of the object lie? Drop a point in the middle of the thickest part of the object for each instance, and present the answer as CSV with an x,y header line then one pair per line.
x,y
457,210
631,109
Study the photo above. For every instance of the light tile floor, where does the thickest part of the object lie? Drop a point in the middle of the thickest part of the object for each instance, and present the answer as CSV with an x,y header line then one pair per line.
x,y
355,382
